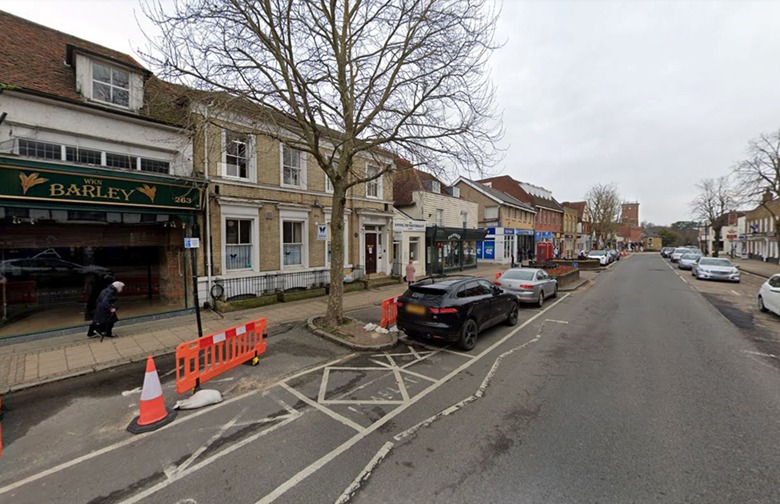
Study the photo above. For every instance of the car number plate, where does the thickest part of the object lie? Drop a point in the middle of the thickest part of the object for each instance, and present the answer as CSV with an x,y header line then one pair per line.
x,y
415,309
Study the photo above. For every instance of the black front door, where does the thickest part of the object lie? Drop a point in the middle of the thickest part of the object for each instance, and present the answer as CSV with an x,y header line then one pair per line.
x,y
370,253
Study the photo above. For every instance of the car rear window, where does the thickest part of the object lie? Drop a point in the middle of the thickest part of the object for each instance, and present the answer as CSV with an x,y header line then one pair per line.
x,y
426,293
714,262
518,275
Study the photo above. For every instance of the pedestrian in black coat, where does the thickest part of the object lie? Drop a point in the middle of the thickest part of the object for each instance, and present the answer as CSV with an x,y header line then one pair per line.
x,y
105,312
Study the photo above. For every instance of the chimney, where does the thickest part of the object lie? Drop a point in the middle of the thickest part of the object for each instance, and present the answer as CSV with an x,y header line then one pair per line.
x,y
767,196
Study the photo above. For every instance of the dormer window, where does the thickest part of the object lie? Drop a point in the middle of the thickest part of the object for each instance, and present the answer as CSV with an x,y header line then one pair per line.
x,y
110,85
435,186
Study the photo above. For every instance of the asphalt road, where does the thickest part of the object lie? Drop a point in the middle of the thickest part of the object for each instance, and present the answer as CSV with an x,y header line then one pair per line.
x,y
636,389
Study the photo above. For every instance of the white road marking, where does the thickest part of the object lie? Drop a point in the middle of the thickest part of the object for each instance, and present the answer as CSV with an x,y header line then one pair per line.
x,y
364,474
735,293
120,444
184,465
413,351
314,404
760,353
557,321
126,393
328,457
205,462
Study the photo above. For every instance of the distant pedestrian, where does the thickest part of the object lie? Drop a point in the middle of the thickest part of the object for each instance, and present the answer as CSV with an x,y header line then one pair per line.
x,y
105,311
410,271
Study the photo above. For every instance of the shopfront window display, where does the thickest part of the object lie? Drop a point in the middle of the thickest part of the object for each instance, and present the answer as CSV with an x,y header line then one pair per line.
x,y
53,263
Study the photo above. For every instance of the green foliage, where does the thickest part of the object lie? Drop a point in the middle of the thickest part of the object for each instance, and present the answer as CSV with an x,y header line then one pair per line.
x,y
669,237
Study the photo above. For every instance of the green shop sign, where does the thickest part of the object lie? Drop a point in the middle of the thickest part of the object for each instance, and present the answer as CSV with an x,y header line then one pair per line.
x,y
43,183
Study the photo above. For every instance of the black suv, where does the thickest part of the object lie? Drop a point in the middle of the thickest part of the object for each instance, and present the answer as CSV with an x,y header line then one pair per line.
x,y
454,308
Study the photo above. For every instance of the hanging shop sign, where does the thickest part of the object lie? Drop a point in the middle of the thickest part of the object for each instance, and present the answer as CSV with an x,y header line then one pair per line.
x,y
45,184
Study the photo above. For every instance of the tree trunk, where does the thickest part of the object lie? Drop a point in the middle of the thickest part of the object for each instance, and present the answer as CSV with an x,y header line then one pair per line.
x,y
335,312
716,241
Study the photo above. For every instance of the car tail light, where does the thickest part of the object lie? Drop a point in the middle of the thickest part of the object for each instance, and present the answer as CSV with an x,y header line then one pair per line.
x,y
497,283
526,286
399,303
438,311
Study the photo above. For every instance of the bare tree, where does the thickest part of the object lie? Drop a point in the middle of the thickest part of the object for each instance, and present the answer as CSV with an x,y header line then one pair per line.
x,y
758,176
349,79
603,204
714,201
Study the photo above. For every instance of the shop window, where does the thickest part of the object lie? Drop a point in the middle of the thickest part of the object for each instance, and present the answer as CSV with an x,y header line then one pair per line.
x,y
40,150
120,161
80,215
238,244
292,243
85,156
414,248
155,166
293,167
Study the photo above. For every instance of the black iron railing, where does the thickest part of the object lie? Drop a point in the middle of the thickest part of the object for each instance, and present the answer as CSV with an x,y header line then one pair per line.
x,y
245,287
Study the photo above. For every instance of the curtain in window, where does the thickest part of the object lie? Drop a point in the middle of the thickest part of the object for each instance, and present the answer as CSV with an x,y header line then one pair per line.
x,y
238,257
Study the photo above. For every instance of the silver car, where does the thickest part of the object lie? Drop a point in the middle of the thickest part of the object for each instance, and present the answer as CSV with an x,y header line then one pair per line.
x,y
678,252
715,268
687,261
530,285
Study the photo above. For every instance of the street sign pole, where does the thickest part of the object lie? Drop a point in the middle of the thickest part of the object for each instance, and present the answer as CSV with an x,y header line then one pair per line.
x,y
193,244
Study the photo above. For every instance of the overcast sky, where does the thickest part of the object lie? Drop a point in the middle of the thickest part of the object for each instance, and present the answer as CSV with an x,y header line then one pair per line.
x,y
652,96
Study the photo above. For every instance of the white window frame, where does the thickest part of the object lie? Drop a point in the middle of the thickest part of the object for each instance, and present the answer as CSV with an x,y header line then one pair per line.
x,y
376,184
456,192
329,239
491,212
328,184
251,156
301,168
436,186
241,213
111,86
294,215
414,255
440,217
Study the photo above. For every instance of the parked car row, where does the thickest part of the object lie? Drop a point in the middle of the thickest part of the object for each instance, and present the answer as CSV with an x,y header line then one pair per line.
x,y
604,257
459,308
703,268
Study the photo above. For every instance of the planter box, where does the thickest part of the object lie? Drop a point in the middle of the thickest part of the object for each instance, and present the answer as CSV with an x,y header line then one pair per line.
x,y
579,263
302,294
244,304
568,278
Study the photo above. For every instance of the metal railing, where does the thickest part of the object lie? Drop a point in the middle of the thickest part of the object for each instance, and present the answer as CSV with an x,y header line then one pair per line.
x,y
273,283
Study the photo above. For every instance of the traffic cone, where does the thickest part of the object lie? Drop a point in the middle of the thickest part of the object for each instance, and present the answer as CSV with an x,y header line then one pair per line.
x,y
154,414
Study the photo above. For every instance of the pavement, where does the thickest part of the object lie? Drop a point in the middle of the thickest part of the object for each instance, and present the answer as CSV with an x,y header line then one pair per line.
x,y
756,267
27,364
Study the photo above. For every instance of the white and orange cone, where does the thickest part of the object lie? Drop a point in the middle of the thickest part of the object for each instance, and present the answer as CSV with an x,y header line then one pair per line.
x,y
153,413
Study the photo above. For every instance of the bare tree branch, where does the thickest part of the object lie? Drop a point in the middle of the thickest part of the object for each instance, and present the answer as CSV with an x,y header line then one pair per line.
x,y
346,80
603,204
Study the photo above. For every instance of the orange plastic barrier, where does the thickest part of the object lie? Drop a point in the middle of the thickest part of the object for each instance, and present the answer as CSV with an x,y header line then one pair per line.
x,y
389,312
200,360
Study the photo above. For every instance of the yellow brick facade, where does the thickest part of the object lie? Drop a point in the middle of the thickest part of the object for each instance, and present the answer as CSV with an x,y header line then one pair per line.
x,y
262,202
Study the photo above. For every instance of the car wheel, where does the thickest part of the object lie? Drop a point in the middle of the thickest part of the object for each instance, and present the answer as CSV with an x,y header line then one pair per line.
x,y
468,335
761,305
511,319
555,291
540,303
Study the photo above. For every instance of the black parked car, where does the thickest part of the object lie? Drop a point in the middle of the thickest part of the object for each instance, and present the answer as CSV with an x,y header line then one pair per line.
x,y
454,308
